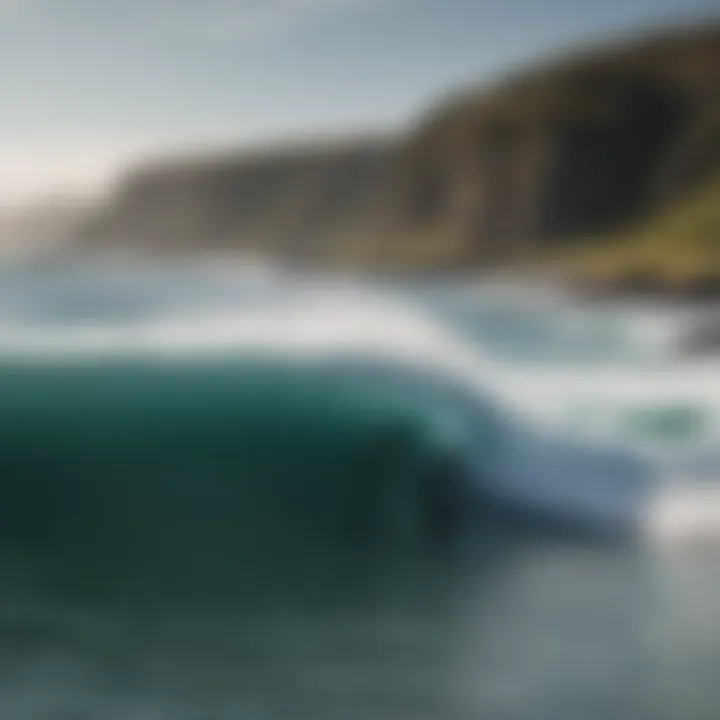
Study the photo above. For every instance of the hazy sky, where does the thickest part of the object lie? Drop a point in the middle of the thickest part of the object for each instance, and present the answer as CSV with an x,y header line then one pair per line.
x,y
90,84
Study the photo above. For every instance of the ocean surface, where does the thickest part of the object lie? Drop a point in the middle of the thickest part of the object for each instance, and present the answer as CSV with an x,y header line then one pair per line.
x,y
255,495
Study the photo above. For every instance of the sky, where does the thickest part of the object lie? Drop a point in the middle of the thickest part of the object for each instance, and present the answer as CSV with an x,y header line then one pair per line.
x,y
89,87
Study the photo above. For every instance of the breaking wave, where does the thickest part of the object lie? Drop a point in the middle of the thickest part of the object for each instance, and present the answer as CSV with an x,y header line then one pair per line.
x,y
177,425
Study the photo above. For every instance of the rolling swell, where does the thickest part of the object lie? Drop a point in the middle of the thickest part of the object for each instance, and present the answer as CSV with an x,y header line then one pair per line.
x,y
142,475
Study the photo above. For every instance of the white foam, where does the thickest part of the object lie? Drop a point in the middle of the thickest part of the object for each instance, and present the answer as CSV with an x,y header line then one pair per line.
x,y
683,515
585,400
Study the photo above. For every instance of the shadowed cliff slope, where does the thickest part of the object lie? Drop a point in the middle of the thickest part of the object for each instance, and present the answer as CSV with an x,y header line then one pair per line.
x,y
568,152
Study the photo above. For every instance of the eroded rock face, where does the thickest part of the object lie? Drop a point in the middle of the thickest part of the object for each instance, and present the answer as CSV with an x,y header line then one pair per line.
x,y
580,147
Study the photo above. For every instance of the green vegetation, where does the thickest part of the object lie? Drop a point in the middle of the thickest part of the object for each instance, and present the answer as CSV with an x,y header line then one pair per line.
x,y
678,248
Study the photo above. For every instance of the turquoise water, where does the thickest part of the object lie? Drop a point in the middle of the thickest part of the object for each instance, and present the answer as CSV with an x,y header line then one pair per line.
x,y
259,497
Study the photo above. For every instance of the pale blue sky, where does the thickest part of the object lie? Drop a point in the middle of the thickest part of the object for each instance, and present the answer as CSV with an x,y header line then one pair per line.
x,y
88,84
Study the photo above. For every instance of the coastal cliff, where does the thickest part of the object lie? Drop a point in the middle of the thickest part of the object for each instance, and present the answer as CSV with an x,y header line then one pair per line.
x,y
580,154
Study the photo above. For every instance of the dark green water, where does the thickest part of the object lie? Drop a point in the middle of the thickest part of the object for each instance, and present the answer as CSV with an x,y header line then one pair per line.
x,y
207,474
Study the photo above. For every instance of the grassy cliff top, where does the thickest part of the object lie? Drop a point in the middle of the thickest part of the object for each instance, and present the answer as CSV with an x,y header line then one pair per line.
x,y
678,248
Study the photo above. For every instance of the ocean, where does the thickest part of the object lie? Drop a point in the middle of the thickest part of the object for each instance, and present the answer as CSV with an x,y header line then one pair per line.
x,y
234,494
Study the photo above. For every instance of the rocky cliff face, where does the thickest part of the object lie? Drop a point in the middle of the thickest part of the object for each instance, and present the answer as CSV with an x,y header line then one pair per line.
x,y
291,203
581,146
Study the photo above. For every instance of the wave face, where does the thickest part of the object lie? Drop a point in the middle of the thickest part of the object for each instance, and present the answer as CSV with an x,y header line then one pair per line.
x,y
196,472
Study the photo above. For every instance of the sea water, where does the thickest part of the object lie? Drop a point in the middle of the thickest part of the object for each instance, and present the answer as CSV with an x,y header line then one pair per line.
x,y
229,495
